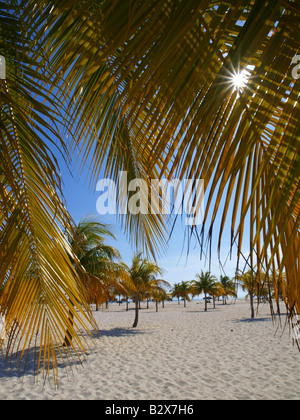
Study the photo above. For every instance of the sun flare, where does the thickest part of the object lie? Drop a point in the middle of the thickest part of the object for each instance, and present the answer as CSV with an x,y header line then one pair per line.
x,y
240,80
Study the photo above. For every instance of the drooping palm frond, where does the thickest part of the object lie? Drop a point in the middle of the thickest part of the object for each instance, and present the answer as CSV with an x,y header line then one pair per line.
x,y
160,74
41,286
97,119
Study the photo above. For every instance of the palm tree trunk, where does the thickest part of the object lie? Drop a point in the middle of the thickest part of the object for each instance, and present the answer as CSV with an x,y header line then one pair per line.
x,y
69,337
156,306
185,303
127,308
252,305
136,313
205,302
278,305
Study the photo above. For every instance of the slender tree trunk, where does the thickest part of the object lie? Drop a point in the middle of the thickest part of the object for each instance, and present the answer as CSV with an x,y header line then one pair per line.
x,y
136,313
69,337
278,305
156,306
252,305
185,303
178,301
163,304
127,308
147,303
214,302
97,307
205,303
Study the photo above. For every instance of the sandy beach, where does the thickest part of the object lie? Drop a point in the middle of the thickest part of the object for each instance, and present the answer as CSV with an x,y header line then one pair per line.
x,y
176,354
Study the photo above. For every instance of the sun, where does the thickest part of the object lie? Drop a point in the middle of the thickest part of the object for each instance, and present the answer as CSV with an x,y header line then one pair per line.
x,y
239,80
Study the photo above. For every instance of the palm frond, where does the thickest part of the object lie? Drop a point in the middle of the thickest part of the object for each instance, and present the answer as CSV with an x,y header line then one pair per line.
x,y
146,87
41,285
162,78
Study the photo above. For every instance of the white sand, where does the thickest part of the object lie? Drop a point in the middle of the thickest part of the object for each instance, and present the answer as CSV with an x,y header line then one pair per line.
x,y
176,354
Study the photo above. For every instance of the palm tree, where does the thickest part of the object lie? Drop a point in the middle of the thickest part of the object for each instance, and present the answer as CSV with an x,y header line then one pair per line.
x,y
185,291
176,292
248,282
278,287
228,288
142,279
207,284
138,94
98,259
159,296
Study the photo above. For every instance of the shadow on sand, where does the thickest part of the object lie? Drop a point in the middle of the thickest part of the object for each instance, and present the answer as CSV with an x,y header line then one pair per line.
x,y
202,311
119,332
252,320
10,366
